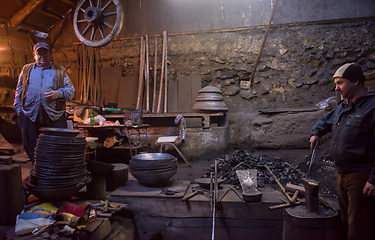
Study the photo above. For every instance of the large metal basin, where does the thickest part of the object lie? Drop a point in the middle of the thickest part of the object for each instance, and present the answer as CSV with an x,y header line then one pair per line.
x,y
152,169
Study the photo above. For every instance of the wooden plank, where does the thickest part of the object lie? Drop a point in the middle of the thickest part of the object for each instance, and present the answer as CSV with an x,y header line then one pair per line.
x,y
127,96
5,145
110,79
24,13
172,95
184,94
134,189
196,85
290,110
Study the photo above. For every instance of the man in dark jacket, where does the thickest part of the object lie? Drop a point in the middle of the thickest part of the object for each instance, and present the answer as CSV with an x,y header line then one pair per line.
x,y
352,127
42,90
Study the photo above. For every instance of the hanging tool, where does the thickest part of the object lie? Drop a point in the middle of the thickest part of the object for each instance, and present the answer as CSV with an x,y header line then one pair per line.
x,y
312,160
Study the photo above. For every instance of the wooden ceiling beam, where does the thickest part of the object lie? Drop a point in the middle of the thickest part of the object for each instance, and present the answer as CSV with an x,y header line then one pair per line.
x,y
69,3
22,14
32,28
51,15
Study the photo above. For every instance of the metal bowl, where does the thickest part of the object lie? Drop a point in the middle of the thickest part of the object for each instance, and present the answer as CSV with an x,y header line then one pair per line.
x,y
152,157
153,179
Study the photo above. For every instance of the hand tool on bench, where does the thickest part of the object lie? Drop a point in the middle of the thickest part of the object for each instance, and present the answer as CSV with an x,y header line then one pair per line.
x,y
312,160
231,188
249,184
194,192
292,201
292,187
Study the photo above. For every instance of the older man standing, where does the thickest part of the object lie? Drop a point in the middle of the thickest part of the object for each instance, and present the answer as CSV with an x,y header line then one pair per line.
x,y
41,94
352,124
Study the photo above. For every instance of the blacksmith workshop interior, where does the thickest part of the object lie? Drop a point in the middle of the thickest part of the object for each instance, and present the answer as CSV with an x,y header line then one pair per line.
x,y
191,119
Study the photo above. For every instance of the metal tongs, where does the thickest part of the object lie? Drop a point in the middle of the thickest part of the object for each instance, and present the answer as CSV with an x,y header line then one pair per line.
x,y
308,174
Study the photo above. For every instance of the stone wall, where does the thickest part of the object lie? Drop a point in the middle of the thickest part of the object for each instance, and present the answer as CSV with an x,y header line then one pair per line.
x,y
295,71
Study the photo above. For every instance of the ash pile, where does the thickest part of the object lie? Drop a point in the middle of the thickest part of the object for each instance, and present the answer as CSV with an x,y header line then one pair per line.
x,y
323,171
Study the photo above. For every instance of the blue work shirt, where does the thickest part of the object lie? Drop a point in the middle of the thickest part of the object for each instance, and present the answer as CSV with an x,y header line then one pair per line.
x,y
41,81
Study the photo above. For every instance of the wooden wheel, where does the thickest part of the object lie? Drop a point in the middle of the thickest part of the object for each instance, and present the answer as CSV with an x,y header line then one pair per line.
x,y
97,22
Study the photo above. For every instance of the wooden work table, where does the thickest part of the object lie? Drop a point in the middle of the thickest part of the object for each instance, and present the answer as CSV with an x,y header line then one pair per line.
x,y
206,118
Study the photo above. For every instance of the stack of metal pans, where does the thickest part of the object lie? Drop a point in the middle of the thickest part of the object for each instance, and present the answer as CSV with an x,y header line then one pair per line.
x,y
210,99
152,169
59,164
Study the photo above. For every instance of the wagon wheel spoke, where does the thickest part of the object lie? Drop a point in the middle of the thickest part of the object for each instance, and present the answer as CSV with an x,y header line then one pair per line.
x,y
101,31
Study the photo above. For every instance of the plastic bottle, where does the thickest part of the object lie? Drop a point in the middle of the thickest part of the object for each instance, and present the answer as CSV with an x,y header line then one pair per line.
x,y
92,120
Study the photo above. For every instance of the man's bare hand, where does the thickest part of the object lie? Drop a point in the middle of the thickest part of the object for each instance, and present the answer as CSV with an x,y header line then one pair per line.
x,y
369,189
314,141
52,95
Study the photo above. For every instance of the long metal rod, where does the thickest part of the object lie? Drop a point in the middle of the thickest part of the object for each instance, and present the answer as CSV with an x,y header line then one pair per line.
x,y
264,41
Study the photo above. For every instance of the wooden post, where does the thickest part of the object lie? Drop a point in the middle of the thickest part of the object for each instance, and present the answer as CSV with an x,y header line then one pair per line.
x,y
147,78
11,193
96,189
141,67
162,70
155,74
165,75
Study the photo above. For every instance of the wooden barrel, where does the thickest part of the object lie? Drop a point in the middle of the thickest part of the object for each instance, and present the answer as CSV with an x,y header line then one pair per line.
x,y
11,193
117,177
96,188
300,224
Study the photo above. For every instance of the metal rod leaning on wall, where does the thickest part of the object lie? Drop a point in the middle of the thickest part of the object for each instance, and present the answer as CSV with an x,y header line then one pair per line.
x,y
162,72
147,78
78,86
140,80
165,75
264,41
84,69
155,74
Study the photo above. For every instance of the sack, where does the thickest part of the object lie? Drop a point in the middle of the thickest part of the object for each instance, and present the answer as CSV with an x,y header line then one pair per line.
x,y
37,217
137,117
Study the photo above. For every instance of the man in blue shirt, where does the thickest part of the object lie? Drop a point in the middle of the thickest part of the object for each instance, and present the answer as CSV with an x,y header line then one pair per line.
x,y
352,128
42,90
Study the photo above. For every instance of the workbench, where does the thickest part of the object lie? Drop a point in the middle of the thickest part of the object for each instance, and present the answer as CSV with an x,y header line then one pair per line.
x,y
203,120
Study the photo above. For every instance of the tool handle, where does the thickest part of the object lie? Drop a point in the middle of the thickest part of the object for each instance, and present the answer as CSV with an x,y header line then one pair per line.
x,y
189,196
294,198
278,183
